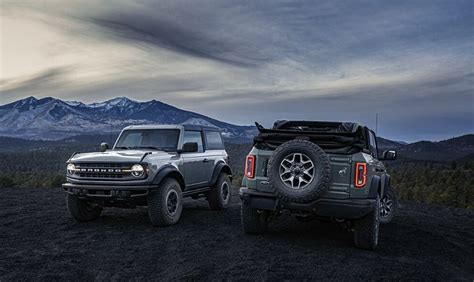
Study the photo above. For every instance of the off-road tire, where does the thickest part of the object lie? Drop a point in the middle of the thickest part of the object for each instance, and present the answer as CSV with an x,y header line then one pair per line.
x,y
82,210
384,219
158,209
221,193
322,175
253,220
366,229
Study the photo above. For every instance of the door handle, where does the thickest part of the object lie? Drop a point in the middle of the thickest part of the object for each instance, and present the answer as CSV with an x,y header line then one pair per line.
x,y
206,160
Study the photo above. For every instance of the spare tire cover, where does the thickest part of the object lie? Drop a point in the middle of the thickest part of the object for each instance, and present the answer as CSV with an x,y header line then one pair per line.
x,y
299,171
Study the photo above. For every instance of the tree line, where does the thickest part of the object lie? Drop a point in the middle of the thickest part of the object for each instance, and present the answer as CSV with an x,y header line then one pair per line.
x,y
450,184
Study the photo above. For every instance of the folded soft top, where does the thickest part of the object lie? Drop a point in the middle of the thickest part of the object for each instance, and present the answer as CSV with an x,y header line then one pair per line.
x,y
332,137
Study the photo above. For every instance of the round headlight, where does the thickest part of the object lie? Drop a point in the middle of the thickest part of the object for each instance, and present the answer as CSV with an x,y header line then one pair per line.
x,y
71,168
137,170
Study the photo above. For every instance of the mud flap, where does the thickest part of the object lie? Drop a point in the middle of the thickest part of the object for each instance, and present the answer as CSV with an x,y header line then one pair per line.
x,y
263,203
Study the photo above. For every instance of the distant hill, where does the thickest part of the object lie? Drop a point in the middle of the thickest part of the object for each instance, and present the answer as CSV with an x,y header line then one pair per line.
x,y
69,124
458,148
383,143
76,143
54,119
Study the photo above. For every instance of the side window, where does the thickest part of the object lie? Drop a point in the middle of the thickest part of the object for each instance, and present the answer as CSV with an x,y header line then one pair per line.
x,y
373,144
194,136
214,140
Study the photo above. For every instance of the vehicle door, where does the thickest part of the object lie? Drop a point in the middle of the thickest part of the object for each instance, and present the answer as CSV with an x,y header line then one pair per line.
x,y
214,146
196,164
378,166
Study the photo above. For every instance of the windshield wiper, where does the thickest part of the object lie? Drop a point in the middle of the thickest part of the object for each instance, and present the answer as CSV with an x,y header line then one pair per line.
x,y
126,148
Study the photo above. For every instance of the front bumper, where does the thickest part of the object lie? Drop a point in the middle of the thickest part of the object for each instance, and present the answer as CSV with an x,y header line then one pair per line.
x,y
343,208
107,192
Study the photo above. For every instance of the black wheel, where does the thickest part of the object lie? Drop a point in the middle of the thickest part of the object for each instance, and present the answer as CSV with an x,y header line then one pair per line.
x,y
366,229
299,171
253,220
220,195
165,203
82,210
388,206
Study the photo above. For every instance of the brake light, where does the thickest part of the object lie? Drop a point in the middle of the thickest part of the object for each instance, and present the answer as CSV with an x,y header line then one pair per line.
x,y
250,166
360,175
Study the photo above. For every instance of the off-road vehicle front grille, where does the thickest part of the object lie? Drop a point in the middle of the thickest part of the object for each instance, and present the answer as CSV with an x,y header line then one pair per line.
x,y
103,171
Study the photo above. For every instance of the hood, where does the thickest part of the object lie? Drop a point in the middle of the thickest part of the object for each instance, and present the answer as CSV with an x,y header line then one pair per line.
x,y
119,156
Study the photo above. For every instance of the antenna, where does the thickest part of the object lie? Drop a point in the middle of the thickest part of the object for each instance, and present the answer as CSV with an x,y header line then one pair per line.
x,y
376,123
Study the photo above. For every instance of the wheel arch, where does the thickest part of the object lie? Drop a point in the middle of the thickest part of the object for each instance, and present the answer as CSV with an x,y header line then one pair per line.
x,y
375,187
169,171
218,169
384,184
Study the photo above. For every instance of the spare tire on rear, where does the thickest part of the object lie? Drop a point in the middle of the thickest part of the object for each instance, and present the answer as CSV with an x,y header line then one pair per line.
x,y
299,171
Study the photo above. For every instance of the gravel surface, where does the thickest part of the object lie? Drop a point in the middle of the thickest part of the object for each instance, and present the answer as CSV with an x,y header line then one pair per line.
x,y
40,241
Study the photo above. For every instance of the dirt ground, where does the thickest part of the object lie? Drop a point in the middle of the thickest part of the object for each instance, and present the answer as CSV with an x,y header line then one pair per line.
x,y
40,241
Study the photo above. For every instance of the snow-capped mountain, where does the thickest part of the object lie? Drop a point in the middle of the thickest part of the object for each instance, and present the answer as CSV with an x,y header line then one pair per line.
x,y
53,119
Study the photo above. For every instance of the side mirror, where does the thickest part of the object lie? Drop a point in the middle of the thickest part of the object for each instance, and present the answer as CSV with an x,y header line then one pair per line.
x,y
190,147
104,146
389,155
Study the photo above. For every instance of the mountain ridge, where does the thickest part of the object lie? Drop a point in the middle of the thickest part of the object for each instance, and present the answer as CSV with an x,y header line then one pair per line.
x,y
53,119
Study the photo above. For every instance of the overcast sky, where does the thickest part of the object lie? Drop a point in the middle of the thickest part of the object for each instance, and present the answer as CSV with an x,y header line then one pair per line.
x,y
245,61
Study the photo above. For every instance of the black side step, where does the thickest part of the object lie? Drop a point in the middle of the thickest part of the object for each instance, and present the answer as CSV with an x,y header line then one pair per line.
x,y
196,191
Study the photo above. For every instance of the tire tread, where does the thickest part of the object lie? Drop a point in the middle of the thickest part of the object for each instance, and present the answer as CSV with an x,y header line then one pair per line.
x,y
78,209
214,197
156,198
364,234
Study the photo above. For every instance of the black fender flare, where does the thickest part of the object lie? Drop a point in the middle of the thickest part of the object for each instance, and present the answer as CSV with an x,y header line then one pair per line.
x,y
374,187
384,184
218,169
169,171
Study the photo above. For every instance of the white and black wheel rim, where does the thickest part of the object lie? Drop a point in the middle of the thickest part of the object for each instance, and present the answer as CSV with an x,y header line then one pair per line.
x,y
297,171
225,192
386,206
172,202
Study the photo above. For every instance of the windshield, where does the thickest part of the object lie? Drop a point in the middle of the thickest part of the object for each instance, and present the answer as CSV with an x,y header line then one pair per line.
x,y
157,139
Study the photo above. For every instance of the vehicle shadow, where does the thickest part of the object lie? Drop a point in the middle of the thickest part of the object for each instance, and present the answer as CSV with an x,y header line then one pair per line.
x,y
192,209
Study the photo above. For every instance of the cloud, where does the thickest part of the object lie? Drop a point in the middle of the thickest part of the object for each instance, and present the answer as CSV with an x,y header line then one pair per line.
x,y
177,39
255,60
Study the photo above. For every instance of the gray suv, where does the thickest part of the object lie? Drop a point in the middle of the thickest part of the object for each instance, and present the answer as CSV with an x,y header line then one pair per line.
x,y
318,170
154,166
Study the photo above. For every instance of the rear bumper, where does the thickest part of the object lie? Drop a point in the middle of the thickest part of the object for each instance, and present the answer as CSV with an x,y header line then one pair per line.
x,y
106,192
343,208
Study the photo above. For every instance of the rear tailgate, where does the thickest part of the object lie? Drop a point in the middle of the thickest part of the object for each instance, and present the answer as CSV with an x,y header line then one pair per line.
x,y
341,169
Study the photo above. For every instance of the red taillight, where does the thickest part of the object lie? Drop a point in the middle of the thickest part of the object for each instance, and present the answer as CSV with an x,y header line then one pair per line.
x,y
250,166
360,178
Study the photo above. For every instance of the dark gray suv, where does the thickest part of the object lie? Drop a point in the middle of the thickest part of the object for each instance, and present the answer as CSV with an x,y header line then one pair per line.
x,y
154,166
318,169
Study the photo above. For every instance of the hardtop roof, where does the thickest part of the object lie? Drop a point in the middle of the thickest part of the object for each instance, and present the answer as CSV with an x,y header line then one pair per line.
x,y
172,126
